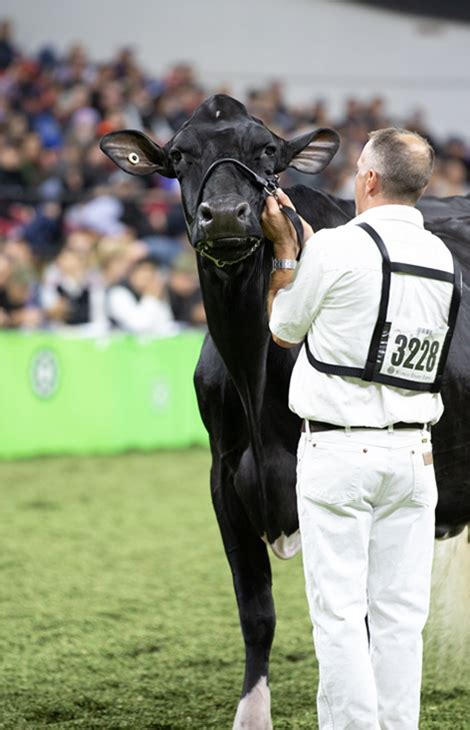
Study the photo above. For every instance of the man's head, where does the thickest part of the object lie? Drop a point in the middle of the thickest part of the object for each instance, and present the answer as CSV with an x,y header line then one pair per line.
x,y
395,166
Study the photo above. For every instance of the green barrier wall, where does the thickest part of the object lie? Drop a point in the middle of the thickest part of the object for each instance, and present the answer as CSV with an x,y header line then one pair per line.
x,y
64,394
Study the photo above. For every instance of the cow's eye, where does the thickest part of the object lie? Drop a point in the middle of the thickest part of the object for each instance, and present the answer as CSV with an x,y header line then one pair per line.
x,y
270,150
176,156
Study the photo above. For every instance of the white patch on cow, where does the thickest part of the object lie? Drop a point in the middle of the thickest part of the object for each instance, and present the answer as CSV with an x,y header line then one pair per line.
x,y
447,633
217,114
254,710
285,546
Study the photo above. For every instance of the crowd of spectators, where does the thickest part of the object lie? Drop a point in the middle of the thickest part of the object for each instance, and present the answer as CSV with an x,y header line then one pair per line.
x,y
84,245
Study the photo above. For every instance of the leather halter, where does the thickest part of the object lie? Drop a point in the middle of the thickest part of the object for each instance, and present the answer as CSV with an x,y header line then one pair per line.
x,y
268,186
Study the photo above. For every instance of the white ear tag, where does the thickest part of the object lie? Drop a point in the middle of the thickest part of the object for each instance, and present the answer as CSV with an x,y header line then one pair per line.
x,y
133,158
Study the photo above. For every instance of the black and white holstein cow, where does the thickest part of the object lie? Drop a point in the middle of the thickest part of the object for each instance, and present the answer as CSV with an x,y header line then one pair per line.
x,y
226,161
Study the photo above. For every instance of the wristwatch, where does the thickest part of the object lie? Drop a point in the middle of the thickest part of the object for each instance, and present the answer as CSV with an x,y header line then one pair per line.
x,y
284,264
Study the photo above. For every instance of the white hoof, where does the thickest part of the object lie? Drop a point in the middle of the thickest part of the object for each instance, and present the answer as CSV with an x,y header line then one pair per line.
x,y
254,710
285,547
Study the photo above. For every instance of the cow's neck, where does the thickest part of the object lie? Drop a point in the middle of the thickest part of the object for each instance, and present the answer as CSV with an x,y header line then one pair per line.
x,y
238,322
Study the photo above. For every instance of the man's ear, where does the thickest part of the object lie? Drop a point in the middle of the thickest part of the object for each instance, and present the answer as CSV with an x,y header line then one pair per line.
x,y
311,152
134,152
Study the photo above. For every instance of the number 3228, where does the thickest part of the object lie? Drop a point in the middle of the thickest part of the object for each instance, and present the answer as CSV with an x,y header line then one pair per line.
x,y
419,354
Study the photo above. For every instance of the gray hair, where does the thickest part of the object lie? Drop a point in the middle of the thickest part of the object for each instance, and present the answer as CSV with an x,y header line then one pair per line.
x,y
403,160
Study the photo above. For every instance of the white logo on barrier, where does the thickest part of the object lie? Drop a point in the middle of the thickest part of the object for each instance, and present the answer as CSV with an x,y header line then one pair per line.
x,y
44,374
161,394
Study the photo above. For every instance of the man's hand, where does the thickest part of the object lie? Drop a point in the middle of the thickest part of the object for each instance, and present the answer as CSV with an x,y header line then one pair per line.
x,y
278,228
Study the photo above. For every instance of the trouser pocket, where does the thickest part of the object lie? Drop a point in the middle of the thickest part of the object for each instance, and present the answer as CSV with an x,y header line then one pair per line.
x,y
330,474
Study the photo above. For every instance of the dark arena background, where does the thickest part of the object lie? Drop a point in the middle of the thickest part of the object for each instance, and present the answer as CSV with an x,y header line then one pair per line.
x,y
117,607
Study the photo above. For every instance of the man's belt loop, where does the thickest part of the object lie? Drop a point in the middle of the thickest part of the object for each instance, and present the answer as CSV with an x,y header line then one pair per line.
x,y
307,429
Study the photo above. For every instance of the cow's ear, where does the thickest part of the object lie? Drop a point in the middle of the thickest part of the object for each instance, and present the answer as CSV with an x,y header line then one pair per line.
x,y
134,152
312,152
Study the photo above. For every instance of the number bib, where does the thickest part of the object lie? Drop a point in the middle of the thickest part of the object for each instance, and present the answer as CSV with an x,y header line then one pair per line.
x,y
411,353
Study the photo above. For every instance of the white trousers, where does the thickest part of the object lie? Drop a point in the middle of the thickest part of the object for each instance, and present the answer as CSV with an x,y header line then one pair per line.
x,y
366,502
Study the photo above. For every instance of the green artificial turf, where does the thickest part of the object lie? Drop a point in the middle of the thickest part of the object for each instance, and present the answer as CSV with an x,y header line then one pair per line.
x,y
117,608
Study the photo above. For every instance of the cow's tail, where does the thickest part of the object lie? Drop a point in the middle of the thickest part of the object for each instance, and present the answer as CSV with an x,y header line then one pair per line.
x,y
447,633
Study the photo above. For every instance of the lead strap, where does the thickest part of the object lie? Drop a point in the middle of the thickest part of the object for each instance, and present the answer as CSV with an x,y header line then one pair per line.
x,y
291,214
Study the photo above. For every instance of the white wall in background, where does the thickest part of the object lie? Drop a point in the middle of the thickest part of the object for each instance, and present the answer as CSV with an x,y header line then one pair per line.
x,y
317,47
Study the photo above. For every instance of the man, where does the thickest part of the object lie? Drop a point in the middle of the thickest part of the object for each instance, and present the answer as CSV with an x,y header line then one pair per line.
x,y
376,326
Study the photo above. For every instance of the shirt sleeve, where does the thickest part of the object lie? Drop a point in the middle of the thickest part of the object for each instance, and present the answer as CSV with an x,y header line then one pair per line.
x,y
295,307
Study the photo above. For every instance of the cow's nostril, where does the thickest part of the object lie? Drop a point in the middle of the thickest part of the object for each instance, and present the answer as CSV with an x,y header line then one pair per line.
x,y
205,212
242,211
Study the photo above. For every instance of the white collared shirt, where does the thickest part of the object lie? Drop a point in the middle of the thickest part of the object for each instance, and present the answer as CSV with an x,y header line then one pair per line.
x,y
334,300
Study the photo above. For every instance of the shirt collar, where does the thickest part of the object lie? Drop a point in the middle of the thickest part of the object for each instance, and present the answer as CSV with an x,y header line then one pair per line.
x,y
403,213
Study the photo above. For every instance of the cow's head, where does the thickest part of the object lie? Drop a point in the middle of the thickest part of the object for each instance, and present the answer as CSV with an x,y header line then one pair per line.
x,y
222,210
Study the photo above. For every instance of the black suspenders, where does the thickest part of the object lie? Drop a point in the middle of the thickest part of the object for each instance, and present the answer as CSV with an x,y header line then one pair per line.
x,y
370,372
372,355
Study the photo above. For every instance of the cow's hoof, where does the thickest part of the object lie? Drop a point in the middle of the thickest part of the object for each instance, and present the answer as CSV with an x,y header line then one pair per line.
x,y
254,709
286,546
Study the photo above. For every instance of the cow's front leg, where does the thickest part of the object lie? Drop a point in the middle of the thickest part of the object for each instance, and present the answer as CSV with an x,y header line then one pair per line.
x,y
251,570
252,580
